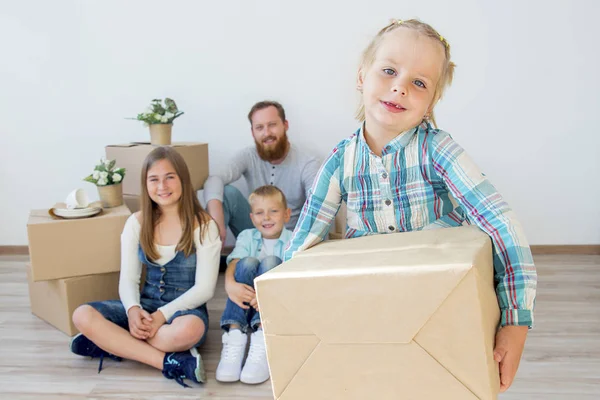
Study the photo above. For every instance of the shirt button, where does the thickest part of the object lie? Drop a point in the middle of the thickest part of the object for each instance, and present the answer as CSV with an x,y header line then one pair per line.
x,y
272,174
388,202
391,228
271,183
388,147
384,175
162,290
162,269
162,282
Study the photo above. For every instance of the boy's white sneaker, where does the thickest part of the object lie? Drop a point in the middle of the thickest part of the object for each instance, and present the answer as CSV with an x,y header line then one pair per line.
x,y
232,356
256,369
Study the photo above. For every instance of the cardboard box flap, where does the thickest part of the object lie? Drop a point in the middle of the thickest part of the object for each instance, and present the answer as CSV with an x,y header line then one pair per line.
x,y
347,307
356,368
293,361
134,144
44,216
467,236
454,350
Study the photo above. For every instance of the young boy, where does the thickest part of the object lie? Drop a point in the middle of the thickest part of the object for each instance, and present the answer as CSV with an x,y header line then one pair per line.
x,y
256,251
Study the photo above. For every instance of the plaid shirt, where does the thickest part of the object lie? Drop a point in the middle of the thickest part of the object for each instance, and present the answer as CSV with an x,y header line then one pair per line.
x,y
423,180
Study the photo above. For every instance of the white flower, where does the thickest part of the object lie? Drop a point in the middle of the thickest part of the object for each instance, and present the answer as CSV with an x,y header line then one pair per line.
x,y
103,175
169,115
96,175
164,119
102,181
116,178
107,163
157,116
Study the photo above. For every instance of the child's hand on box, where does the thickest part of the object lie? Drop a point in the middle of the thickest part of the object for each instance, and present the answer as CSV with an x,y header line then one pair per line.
x,y
240,294
510,341
254,304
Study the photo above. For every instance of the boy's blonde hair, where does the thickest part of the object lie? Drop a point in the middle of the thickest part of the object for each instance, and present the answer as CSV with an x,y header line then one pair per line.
x,y
268,191
368,57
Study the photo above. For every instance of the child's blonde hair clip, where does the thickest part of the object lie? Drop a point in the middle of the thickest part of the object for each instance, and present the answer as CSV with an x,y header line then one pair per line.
x,y
442,39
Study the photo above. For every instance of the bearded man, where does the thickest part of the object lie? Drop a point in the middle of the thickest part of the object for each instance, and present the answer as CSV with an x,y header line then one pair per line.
x,y
272,161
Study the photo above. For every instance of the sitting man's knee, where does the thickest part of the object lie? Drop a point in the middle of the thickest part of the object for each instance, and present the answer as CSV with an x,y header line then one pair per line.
x,y
230,191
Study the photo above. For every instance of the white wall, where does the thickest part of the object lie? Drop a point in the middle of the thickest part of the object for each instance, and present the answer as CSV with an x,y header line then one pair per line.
x,y
524,102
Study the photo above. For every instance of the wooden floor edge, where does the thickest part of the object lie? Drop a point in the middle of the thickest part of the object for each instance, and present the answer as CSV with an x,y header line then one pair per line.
x,y
537,249
14,250
582,249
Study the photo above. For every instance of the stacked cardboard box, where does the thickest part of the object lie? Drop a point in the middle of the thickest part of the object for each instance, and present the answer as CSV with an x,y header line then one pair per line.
x,y
404,315
73,261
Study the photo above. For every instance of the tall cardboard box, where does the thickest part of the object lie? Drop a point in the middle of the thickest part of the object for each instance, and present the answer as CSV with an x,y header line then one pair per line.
x,y
64,248
391,316
131,156
54,301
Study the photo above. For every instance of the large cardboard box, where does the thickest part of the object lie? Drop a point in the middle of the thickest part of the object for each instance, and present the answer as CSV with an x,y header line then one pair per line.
x,y
64,248
54,301
131,156
391,316
132,202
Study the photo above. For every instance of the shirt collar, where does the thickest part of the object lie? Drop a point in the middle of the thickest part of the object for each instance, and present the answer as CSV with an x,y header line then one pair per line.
x,y
283,237
395,144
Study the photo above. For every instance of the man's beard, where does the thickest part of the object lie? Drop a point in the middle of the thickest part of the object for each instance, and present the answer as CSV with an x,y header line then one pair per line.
x,y
272,153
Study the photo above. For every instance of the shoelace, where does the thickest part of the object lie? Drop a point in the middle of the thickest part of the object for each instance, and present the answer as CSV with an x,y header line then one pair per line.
x,y
177,374
256,352
229,352
175,371
109,356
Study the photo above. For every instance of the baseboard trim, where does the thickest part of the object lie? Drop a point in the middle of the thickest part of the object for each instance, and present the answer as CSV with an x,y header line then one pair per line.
x,y
14,250
582,249
538,249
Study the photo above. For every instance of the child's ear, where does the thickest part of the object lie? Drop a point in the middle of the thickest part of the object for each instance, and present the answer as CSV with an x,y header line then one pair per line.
x,y
288,215
359,80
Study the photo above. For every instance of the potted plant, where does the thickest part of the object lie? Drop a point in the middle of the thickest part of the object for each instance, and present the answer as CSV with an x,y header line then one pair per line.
x,y
159,117
108,180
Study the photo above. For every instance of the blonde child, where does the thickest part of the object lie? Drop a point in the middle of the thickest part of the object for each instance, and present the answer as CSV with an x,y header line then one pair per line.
x,y
180,245
398,173
256,251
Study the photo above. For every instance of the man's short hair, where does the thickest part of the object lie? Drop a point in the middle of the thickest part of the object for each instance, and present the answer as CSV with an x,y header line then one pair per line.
x,y
261,105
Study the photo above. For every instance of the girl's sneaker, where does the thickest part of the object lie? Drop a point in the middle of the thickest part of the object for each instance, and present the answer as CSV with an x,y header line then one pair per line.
x,y
82,346
184,364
